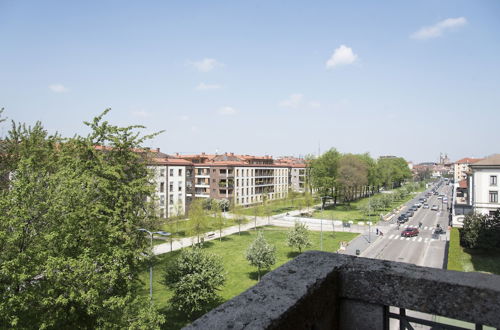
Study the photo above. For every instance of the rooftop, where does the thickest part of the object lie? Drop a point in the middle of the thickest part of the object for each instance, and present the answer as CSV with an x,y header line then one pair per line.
x,y
493,160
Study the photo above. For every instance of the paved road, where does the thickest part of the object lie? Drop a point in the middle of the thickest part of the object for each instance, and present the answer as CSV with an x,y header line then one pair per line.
x,y
427,249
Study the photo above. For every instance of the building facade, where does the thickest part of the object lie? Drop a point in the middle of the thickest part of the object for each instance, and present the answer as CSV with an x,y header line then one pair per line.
x,y
484,185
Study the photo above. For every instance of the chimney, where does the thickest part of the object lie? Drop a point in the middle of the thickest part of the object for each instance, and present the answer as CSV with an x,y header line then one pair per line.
x,y
232,153
157,149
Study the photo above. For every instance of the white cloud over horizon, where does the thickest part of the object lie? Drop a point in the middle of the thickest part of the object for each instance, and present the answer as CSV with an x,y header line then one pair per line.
x,y
58,88
206,64
206,87
438,29
341,56
141,113
297,100
227,111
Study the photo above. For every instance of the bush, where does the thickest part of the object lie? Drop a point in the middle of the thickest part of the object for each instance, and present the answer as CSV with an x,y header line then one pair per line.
x,y
481,231
195,277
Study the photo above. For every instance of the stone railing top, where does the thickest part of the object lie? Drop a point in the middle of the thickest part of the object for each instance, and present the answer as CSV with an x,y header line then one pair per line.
x,y
311,286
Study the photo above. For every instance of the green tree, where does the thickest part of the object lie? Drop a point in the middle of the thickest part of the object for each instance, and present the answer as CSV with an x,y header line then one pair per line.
x,y
352,174
261,254
298,236
70,250
238,217
195,277
481,231
198,220
324,174
218,217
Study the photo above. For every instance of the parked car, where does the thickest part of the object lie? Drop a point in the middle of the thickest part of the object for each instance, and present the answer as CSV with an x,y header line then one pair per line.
x,y
434,207
409,213
402,218
418,205
425,206
410,232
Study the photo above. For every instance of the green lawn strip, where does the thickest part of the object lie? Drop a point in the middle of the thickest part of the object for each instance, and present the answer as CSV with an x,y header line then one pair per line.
x,y
240,275
180,228
470,260
353,213
276,207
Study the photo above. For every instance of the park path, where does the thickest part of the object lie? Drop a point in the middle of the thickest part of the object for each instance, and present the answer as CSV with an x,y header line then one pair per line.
x,y
279,220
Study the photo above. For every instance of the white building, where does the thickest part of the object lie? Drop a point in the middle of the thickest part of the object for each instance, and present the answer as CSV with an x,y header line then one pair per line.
x,y
484,185
462,167
172,179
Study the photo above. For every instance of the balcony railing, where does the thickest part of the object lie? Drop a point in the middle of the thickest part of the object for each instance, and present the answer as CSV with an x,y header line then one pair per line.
x,y
320,290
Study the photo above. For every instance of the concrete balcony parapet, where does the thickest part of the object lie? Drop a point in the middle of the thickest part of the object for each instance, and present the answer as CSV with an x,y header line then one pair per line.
x,y
321,290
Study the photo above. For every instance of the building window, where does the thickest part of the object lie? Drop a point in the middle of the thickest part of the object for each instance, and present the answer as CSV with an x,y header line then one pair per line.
x,y
162,172
493,180
162,186
180,188
171,199
492,213
180,172
162,200
493,196
171,172
171,187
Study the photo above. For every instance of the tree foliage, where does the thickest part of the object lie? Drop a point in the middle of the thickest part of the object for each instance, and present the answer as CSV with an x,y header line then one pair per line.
x,y
481,231
298,236
195,277
70,250
261,254
198,219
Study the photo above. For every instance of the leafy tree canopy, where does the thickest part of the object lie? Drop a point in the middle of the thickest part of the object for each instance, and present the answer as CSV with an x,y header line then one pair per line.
x,y
70,250
195,277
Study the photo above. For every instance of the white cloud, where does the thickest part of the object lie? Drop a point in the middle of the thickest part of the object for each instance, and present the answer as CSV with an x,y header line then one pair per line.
x,y
206,64
205,87
184,118
58,88
314,104
141,113
227,111
293,101
437,30
341,56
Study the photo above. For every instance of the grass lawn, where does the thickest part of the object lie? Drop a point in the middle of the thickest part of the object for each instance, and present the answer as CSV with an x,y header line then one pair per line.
x,y
240,275
471,260
352,212
276,207
180,228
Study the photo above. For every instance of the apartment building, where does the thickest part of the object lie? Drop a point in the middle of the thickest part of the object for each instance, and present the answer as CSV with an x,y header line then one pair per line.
x,y
173,179
483,186
241,179
297,173
461,167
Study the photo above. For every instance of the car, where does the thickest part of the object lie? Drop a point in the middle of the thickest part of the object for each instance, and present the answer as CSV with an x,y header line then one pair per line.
x,y
436,193
410,232
409,213
440,197
402,218
425,206
434,207
445,200
418,205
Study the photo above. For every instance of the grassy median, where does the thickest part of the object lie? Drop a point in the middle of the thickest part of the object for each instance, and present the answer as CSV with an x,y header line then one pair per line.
x,y
471,260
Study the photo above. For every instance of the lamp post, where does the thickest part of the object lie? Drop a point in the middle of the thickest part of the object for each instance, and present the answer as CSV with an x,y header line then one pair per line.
x,y
321,222
151,234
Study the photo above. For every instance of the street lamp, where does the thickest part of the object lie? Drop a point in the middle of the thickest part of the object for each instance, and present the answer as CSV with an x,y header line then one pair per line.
x,y
151,234
321,222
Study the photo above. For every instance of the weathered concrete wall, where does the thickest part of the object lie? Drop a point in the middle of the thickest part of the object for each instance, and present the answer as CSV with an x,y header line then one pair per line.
x,y
320,290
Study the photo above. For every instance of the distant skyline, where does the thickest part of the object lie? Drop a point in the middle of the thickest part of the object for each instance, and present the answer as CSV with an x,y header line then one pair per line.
x,y
410,79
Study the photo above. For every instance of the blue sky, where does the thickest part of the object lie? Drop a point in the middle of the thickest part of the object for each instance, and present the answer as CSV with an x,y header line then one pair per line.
x,y
262,77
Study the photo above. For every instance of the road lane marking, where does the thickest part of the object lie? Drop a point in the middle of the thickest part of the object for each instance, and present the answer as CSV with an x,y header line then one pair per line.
x,y
402,238
420,239
426,240
392,236
413,239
